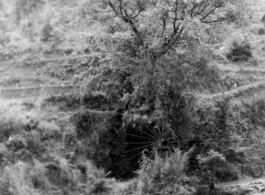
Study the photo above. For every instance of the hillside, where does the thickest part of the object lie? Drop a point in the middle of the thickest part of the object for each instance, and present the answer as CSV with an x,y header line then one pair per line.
x,y
84,113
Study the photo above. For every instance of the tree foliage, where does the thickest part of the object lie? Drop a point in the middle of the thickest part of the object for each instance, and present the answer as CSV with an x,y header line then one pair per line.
x,y
156,54
155,61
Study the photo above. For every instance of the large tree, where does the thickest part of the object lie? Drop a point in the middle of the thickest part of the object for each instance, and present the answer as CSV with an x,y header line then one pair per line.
x,y
157,51
155,60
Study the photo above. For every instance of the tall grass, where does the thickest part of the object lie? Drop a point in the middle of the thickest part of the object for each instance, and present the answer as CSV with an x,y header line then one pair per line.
x,y
15,180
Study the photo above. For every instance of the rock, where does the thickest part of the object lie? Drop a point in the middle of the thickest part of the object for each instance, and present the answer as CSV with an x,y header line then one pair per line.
x,y
244,192
261,188
256,182
254,187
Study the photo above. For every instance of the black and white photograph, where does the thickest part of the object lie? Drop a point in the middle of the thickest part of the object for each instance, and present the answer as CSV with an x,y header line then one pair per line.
x,y
132,97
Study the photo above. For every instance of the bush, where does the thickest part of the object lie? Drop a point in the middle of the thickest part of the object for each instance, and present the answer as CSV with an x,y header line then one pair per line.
x,y
240,51
30,123
90,124
210,165
33,141
70,141
10,125
99,101
47,32
227,173
38,177
61,173
49,130
165,176
263,19
17,180
261,31
96,179
16,143
62,102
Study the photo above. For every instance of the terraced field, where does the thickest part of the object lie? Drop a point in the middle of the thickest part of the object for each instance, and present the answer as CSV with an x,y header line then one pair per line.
x,y
32,78
23,83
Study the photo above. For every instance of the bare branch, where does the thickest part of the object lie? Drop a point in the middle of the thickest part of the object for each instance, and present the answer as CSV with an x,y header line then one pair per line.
x,y
193,8
221,4
125,17
174,38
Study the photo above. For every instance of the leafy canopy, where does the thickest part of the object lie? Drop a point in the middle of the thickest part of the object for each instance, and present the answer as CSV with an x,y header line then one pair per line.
x,y
156,54
145,35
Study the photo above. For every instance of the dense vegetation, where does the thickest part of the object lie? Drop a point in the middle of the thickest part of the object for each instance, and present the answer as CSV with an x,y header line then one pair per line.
x,y
140,110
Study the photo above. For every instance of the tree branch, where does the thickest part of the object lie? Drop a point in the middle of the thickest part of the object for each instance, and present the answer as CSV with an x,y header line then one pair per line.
x,y
125,17
221,4
176,34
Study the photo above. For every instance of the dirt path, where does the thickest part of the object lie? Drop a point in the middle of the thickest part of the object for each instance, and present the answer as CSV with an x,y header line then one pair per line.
x,y
29,92
242,90
50,60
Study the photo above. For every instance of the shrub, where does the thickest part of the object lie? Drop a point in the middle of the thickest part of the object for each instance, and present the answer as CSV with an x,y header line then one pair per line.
x,y
227,172
210,165
70,142
16,181
96,179
49,130
263,19
98,100
4,155
38,177
239,12
89,124
24,146
34,144
253,111
62,102
46,32
30,123
10,124
60,173
16,143
240,51
164,176
28,105
261,31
